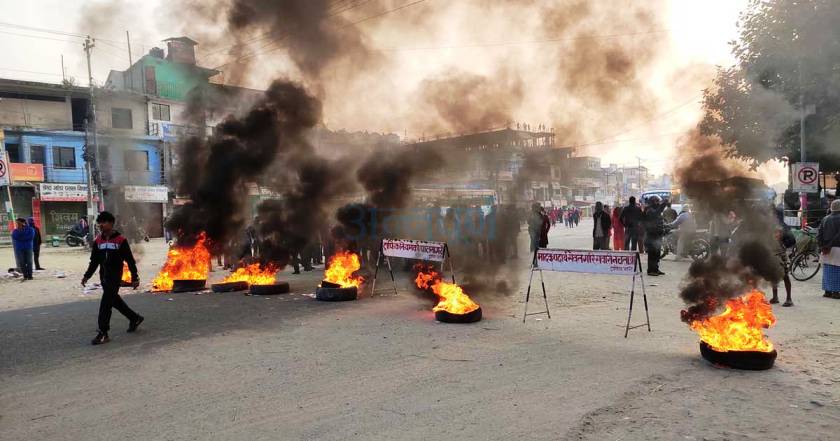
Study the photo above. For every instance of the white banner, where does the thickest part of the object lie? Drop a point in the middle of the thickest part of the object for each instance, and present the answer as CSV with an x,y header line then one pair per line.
x,y
63,192
805,177
586,261
414,249
146,193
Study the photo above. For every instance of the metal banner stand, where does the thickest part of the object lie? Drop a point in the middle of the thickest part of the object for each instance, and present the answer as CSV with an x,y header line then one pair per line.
x,y
640,273
535,267
381,256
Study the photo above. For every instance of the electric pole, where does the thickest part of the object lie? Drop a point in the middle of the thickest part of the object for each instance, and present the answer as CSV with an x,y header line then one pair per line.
x,y
91,157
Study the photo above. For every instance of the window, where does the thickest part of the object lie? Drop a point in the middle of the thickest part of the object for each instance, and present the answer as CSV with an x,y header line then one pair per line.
x,y
14,152
37,154
160,112
121,118
136,160
64,157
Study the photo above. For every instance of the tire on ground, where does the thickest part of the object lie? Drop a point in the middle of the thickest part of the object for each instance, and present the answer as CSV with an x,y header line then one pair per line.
x,y
267,290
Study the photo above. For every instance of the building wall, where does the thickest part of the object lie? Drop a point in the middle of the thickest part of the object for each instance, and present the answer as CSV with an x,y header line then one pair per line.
x,y
54,115
106,102
50,141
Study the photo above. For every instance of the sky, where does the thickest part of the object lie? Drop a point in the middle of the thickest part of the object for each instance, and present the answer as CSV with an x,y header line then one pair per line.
x,y
696,33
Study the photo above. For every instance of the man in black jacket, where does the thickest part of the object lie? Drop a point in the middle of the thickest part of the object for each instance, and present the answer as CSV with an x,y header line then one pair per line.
x,y
109,251
601,228
631,217
654,230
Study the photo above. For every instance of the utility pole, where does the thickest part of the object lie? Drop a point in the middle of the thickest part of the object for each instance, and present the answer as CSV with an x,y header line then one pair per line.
x,y
803,197
130,62
91,157
10,209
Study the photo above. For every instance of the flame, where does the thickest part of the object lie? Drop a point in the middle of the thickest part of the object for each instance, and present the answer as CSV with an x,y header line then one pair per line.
x,y
184,264
452,298
254,274
341,267
126,275
738,327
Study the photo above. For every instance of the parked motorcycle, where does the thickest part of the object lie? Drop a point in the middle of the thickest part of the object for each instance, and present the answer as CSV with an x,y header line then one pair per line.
x,y
75,237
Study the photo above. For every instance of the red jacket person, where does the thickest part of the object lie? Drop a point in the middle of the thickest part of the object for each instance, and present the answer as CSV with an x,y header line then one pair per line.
x,y
109,251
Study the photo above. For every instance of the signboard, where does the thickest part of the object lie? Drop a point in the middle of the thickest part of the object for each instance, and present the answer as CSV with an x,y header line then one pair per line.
x,y
26,172
586,261
414,249
63,192
805,177
146,193
4,171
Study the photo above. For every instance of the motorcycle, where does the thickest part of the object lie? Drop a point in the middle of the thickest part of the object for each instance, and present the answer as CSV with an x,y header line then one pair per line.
x,y
75,237
700,248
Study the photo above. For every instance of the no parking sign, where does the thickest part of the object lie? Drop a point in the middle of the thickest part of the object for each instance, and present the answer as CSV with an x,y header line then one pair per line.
x,y
805,177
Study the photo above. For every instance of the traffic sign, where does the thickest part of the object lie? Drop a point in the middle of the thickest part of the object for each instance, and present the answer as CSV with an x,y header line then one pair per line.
x,y
4,172
805,177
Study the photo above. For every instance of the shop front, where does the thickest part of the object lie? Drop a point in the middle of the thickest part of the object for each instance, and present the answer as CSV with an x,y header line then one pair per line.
x,y
145,205
62,206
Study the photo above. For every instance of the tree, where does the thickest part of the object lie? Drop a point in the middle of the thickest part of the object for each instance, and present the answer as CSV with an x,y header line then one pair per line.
x,y
786,48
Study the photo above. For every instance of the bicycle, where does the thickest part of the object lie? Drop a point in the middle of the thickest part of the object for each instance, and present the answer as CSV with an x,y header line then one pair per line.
x,y
805,257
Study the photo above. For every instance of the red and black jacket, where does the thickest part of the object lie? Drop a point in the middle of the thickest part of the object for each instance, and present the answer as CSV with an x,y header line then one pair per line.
x,y
109,254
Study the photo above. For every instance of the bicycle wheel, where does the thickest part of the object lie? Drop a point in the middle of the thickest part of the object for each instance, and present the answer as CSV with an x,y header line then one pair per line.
x,y
805,266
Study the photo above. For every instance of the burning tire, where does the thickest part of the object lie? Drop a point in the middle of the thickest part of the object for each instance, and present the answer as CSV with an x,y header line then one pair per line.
x,y
229,286
188,285
448,317
745,360
339,294
266,290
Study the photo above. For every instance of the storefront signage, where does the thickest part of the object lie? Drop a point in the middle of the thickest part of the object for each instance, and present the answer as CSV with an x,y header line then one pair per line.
x,y
63,192
26,172
146,193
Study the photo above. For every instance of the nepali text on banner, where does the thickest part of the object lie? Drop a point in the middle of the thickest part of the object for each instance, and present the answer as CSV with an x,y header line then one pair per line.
x,y
414,249
586,261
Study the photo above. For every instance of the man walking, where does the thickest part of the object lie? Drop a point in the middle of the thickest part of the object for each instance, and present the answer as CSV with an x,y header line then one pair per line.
x,y
109,251
36,243
828,239
654,230
631,215
601,228
22,238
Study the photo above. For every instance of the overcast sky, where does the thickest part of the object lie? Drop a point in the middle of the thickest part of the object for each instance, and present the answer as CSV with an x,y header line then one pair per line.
x,y
699,33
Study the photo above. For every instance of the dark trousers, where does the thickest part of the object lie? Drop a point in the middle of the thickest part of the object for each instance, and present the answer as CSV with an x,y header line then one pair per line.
x,y
111,299
601,243
631,239
23,259
654,253
36,253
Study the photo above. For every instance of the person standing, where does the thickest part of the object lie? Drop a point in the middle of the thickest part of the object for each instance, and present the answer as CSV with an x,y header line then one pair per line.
x,y
630,218
36,243
654,227
618,229
546,225
828,239
601,228
22,238
669,214
535,226
109,251
687,228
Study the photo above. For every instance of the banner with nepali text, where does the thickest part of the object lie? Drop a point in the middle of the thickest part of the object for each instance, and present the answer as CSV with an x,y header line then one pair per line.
x,y
414,249
586,261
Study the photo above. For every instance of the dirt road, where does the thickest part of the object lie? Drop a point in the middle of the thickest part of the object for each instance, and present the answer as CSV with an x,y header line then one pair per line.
x,y
227,366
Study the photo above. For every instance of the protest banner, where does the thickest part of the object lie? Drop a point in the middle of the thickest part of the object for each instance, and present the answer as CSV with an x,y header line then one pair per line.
x,y
620,263
426,251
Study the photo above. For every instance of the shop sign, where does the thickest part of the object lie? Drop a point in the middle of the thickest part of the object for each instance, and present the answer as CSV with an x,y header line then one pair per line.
x,y
21,172
63,192
146,193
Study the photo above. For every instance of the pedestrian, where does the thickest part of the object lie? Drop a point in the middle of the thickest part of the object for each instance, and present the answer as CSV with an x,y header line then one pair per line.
x,y
109,251
719,232
36,243
828,239
618,229
22,239
630,219
784,261
686,229
654,227
601,228
535,226
577,216
546,225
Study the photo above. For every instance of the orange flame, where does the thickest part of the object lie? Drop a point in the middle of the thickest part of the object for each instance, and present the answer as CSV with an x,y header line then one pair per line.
x,y
739,326
184,264
452,298
126,274
254,274
341,267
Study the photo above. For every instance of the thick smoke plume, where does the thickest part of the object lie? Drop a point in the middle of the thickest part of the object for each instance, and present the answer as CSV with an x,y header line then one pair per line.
x,y
717,186
238,153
